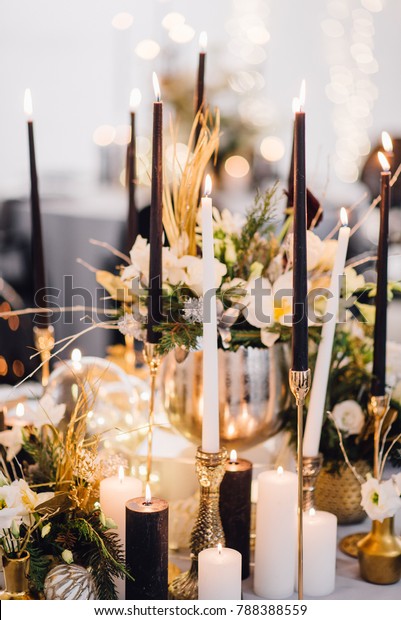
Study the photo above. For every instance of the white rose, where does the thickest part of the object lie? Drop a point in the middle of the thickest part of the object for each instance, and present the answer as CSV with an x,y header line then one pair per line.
x,y
259,308
314,249
380,500
328,255
349,417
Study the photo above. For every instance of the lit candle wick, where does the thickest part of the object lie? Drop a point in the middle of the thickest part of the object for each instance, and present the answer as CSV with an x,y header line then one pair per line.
x,y
219,548
208,185
233,457
280,470
148,496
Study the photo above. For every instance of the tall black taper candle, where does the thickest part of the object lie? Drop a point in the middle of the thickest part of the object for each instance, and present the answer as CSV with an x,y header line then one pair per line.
x,y
38,263
156,222
135,99
146,549
200,84
300,291
235,507
380,330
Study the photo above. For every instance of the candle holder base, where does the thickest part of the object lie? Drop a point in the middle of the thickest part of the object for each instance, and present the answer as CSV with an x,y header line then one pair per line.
x,y
44,343
208,530
311,466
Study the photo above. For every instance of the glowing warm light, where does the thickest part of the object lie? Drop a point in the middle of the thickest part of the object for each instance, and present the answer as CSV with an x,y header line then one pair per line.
x,y
156,86
280,470
135,99
296,105
90,414
121,474
147,49
233,456
20,410
302,91
383,161
258,35
343,217
272,148
76,356
203,41
183,33
208,185
375,6
122,135
28,108
122,21
104,135
237,166
219,548
142,145
387,142
148,494
172,19
312,512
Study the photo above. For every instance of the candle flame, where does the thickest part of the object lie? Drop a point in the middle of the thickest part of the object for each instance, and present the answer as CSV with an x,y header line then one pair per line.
x,y
121,474
296,105
302,91
383,161
20,410
280,470
208,185
343,216
76,356
312,512
203,41
219,548
28,107
135,99
148,494
233,456
387,142
156,87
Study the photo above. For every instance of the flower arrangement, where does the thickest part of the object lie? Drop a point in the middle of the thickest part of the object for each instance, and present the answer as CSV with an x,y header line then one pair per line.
x,y
49,501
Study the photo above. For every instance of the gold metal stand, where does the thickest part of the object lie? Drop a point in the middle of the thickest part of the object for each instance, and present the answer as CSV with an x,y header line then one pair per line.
x,y
377,407
311,466
208,530
44,343
299,385
129,355
153,360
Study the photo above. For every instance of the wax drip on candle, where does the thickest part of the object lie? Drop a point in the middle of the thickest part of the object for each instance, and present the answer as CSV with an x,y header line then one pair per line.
x,y
280,470
156,87
387,142
233,457
28,107
383,161
121,474
148,496
203,41
20,410
135,99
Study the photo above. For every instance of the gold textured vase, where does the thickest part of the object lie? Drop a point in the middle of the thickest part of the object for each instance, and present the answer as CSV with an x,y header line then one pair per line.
x,y
340,492
16,572
379,554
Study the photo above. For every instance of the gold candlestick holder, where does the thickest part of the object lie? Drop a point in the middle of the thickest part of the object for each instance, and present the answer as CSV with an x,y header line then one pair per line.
x,y
377,408
311,466
208,530
299,385
153,360
44,342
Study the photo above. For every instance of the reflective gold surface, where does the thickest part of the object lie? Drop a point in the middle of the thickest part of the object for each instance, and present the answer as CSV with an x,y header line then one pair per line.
x,y
16,573
379,554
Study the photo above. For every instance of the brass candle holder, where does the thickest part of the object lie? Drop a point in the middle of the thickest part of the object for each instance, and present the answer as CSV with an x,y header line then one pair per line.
x,y
299,385
208,530
153,360
311,466
377,408
44,342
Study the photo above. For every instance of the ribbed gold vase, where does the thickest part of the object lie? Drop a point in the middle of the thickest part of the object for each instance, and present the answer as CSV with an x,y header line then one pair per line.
x,y
379,554
340,493
16,572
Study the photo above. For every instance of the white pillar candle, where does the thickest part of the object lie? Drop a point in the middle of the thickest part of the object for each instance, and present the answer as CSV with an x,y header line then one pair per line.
x,y
210,423
219,574
114,494
314,420
276,534
320,545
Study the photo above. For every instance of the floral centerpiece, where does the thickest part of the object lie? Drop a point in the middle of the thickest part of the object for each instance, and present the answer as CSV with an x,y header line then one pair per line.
x,y
49,509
